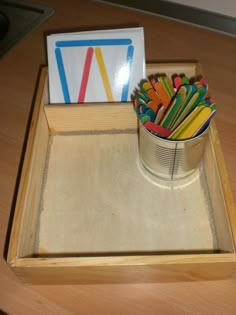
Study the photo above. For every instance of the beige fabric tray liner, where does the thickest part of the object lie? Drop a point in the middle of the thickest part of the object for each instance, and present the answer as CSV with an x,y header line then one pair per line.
x,y
97,198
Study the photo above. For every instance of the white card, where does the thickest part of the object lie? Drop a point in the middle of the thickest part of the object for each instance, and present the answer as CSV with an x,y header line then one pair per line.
x,y
95,66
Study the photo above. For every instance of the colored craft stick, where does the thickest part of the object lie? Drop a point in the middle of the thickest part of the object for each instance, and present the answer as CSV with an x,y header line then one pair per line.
x,y
141,101
165,99
129,60
94,42
167,85
185,80
62,75
144,118
153,96
141,109
144,97
177,82
145,94
204,83
85,76
138,101
185,123
153,105
104,75
177,117
157,129
160,115
196,123
205,125
185,91
173,108
151,114
170,85
147,86
191,103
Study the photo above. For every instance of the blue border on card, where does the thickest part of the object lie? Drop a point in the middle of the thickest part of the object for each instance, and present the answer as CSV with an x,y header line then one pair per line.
x,y
129,60
92,43
62,75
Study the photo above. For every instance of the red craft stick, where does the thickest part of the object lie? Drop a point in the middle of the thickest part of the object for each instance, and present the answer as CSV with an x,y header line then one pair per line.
x,y
157,129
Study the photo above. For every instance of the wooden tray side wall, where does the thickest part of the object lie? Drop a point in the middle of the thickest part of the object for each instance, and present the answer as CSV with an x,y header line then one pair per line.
x,y
118,116
220,193
26,212
98,269
127,269
121,116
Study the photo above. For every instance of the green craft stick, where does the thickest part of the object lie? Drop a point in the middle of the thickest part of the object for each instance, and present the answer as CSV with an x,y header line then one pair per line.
x,y
172,111
191,89
185,80
183,91
199,120
185,123
195,99
144,92
177,133
142,96
164,81
144,118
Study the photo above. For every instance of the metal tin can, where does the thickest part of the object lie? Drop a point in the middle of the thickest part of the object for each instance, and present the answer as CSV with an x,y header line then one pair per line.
x,y
171,159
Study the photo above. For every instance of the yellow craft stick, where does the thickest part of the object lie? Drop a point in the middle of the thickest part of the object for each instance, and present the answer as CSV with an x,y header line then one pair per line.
x,y
104,75
169,85
187,109
197,122
180,129
147,86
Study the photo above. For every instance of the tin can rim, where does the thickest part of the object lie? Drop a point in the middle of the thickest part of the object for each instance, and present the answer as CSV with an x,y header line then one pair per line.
x,y
175,141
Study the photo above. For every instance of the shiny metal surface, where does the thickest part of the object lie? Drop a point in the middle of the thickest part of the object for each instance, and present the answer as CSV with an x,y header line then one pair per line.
x,y
170,159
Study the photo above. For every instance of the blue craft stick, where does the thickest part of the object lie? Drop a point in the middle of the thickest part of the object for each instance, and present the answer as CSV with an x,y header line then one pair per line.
x,y
62,75
141,108
94,42
151,114
129,60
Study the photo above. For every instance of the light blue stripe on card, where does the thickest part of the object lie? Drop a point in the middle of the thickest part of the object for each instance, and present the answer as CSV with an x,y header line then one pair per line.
x,y
94,42
62,75
129,60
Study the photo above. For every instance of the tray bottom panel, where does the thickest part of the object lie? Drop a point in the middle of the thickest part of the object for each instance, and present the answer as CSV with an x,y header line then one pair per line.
x,y
97,198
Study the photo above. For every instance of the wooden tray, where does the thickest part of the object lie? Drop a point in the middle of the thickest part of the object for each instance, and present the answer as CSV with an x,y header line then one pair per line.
x,y
88,212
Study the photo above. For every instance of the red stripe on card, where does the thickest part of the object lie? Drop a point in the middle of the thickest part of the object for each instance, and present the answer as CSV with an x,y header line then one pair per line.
x,y
85,76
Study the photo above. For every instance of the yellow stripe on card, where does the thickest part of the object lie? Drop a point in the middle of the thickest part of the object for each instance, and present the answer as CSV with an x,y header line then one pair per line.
x,y
104,75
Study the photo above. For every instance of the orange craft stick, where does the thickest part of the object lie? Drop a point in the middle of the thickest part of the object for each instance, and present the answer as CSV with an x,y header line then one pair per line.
x,y
153,96
153,105
165,99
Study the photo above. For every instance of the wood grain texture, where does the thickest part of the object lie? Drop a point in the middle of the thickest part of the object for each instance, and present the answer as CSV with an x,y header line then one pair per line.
x,y
220,194
164,40
124,270
26,210
113,221
75,118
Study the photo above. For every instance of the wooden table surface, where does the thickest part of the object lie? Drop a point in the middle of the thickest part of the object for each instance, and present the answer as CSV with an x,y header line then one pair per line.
x,y
165,40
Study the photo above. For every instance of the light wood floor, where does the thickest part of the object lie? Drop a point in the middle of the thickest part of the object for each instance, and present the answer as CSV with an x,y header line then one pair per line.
x,y
164,40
